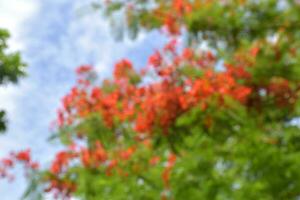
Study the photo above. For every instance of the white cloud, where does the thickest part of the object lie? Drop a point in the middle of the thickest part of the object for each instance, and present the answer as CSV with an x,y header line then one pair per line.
x,y
13,16
7,94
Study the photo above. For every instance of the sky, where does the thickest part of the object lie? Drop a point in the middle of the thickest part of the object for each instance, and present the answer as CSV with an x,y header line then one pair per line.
x,y
54,37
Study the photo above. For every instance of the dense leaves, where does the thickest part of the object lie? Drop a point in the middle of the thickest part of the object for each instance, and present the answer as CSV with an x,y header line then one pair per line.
x,y
11,68
223,23
209,119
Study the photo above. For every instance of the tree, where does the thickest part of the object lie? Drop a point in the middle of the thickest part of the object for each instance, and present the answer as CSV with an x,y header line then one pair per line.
x,y
212,123
11,68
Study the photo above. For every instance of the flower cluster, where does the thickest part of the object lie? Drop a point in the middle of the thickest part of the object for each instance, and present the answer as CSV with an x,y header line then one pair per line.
x,y
140,124
156,105
23,157
180,81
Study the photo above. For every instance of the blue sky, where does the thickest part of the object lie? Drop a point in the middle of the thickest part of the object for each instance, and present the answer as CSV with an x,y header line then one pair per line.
x,y
54,37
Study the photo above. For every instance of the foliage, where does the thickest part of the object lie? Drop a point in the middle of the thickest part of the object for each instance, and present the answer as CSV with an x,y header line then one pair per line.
x,y
195,123
11,68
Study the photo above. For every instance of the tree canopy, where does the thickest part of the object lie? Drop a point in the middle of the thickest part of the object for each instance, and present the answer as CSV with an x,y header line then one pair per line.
x,y
11,68
194,123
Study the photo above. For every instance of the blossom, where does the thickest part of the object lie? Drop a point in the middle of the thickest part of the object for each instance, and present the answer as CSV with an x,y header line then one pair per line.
x,y
83,69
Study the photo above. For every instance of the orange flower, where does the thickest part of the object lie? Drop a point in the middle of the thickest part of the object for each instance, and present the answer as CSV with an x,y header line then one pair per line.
x,y
155,60
122,69
154,160
83,69
23,156
86,157
254,51
127,153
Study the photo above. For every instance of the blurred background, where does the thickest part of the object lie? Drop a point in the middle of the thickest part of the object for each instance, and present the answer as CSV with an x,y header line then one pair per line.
x,y
54,37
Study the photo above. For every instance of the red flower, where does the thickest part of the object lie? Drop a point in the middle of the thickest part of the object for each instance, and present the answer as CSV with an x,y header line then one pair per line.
x,y
7,162
23,156
122,69
155,60
100,154
154,160
61,160
83,69
171,46
172,25
96,93
172,159
34,165
86,157
127,153
187,54
254,51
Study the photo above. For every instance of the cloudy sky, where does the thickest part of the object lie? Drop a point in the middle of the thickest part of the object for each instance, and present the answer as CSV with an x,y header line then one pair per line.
x,y
54,37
